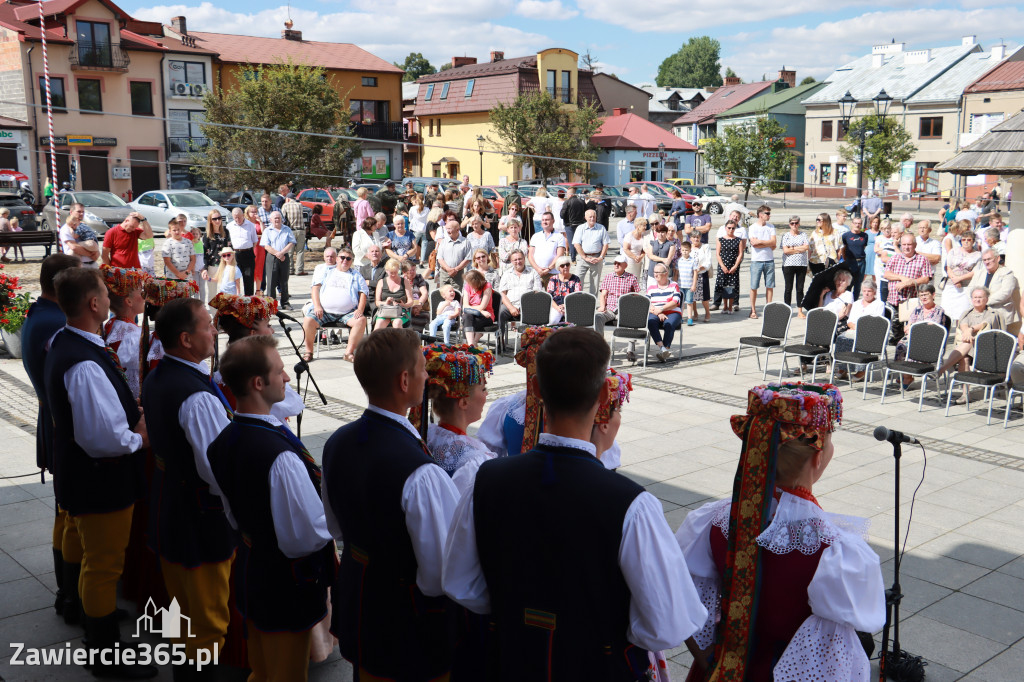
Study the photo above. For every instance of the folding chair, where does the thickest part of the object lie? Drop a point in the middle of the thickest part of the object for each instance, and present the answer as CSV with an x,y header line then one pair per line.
x,y
328,334
435,300
926,343
534,311
994,350
870,346
774,333
819,341
632,321
580,309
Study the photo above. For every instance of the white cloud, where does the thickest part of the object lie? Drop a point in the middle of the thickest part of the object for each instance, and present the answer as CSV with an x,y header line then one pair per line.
x,y
466,30
551,10
605,67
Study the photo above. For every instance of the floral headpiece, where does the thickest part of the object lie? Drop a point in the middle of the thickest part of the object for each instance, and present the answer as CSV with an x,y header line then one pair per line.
x,y
618,387
159,291
530,341
248,310
122,281
800,409
457,369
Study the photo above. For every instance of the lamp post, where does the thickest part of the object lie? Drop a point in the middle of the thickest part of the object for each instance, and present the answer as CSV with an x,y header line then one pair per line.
x,y
480,145
848,105
661,159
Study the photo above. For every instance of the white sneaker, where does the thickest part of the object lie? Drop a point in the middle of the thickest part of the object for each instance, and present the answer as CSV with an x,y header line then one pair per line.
x,y
664,355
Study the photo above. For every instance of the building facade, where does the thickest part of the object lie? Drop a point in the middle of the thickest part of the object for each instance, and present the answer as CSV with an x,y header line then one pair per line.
x,y
634,149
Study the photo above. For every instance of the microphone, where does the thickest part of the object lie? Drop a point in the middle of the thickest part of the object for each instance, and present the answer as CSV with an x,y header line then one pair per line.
x,y
894,437
282,316
299,368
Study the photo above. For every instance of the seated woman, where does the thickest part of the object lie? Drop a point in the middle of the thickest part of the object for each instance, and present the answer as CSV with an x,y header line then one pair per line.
x,y
961,262
477,310
664,318
976,320
926,310
419,313
560,286
867,304
838,297
482,262
786,585
394,298
511,241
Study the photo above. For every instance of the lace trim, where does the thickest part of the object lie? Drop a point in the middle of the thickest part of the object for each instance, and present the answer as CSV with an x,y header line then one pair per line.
x,y
798,525
707,590
824,650
451,450
517,408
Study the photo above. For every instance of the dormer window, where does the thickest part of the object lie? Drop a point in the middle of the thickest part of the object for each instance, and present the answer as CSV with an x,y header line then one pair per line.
x,y
430,92
444,90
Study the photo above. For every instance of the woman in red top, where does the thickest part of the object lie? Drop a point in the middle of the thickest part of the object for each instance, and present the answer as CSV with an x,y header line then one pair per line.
x,y
478,313
261,254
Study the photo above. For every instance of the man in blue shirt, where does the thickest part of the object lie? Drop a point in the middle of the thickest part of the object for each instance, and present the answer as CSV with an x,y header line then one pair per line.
x,y
855,243
279,241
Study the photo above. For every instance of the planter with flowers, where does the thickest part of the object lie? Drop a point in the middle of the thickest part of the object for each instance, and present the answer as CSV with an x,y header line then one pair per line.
x,y
13,309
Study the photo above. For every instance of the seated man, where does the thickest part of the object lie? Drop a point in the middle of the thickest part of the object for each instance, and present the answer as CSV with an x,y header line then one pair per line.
x,y
1002,285
613,285
339,297
514,283
374,272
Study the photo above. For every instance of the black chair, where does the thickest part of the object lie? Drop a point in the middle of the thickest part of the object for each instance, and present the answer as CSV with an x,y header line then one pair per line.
x,y
994,350
870,345
580,309
632,321
435,300
534,311
819,341
774,334
926,343
328,334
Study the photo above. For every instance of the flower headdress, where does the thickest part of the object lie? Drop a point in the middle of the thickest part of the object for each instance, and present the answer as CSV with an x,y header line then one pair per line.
x,y
616,393
122,281
159,292
248,310
457,369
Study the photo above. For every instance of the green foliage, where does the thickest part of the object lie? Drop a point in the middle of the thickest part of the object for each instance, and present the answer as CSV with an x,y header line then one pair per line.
x,y
729,73
13,306
755,156
808,80
289,97
415,65
886,147
695,65
445,66
538,125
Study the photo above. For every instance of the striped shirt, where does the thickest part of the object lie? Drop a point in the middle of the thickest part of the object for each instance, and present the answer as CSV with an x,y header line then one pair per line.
x,y
662,295
686,267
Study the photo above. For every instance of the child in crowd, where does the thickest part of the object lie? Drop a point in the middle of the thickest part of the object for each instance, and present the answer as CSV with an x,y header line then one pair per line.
x,y
179,257
689,270
19,251
147,256
447,312
229,276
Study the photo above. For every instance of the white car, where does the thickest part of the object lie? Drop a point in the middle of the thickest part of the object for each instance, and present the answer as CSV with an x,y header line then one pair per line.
x,y
162,205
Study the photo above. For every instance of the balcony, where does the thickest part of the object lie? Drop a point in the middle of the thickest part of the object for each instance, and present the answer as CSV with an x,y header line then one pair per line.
x,y
184,145
563,95
98,57
380,130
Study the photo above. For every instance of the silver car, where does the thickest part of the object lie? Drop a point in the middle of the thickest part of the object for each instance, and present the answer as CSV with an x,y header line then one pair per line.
x,y
162,205
103,210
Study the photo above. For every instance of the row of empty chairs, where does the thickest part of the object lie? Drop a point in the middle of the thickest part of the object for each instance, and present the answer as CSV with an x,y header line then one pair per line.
x,y
994,352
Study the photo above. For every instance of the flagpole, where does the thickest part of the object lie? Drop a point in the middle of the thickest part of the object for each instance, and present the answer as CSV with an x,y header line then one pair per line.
x,y
49,100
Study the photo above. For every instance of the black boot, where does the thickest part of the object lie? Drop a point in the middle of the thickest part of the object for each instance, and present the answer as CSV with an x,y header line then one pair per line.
x,y
103,633
72,603
58,574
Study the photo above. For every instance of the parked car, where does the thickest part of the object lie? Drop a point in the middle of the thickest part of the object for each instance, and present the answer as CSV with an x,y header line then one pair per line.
x,y
160,206
320,201
713,201
617,196
680,182
19,209
248,197
103,210
661,197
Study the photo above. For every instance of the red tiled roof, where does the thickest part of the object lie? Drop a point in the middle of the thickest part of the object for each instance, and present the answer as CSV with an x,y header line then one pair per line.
x,y
9,19
629,131
53,7
1006,76
135,41
254,50
173,44
484,69
725,97
501,88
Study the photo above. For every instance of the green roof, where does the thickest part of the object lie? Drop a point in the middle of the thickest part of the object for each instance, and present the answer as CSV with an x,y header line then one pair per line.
x,y
782,102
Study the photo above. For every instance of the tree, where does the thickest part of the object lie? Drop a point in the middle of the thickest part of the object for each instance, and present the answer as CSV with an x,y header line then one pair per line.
x,y
808,80
729,73
415,65
445,66
588,61
264,159
886,146
695,65
536,125
754,156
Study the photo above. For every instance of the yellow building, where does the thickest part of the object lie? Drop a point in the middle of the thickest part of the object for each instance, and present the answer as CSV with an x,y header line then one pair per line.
x,y
452,110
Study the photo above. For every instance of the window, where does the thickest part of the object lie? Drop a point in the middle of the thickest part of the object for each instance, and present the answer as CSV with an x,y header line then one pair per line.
x,y
636,171
251,74
444,90
469,87
431,127
566,89
56,93
89,97
142,98
826,133
931,128
826,173
552,81
93,43
185,134
439,127
369,81
369,111
430,92
840,173
186,76
843,130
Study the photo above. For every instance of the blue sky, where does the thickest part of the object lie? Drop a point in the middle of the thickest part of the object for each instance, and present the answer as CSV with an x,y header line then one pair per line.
x,y
757,37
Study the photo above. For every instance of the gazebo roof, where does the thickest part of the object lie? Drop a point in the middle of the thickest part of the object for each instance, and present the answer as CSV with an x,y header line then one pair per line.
x,y
1000,151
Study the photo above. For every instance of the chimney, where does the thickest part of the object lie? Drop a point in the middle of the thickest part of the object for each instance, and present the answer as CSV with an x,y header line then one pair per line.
x,y
619,111
998,52
788,77
967,41
497,56
462,61
917,56
178,24
732,80
289,34
877,61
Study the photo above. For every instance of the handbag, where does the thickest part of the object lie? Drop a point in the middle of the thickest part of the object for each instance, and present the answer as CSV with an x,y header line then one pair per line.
x,y
389,312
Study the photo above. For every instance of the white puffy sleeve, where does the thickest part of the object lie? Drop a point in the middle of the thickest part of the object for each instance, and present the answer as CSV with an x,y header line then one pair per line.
x,y
491,430
846,595
694,538
291,406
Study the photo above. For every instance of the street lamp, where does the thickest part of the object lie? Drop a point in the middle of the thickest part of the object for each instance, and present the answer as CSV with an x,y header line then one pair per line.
x,y
480,145
661,159
847,107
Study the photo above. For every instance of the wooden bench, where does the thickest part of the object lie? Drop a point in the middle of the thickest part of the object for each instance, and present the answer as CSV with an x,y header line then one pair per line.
x,y
45,238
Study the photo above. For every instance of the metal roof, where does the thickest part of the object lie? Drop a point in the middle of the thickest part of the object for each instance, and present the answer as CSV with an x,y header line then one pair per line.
x,y
950,86
1000,151
771,101
721,99
902,74
1007,76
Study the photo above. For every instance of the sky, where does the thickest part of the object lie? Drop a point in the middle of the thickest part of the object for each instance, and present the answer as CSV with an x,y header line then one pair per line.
x,y
758,37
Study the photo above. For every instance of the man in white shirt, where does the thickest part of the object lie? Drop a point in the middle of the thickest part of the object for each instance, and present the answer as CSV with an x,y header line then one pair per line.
x,y
545,247
591,243
741,211
69,242
762,261
243,238
516,281
339,296
930,248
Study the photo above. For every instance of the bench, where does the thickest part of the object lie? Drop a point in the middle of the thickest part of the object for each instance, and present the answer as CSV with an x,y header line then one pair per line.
x,y
45,238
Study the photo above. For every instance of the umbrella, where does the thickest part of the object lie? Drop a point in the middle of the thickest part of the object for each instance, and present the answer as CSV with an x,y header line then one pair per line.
x,y
822,281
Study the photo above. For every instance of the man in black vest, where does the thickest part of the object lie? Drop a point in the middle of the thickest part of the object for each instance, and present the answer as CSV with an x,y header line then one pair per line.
x,y
188,528
391,503
271,491
575,563
98,434
573,214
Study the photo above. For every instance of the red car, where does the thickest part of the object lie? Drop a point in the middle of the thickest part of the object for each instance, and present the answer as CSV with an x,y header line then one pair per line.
x,y
321,202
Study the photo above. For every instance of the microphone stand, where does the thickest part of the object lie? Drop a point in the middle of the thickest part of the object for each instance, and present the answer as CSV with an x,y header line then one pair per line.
x,y
897,664
300,367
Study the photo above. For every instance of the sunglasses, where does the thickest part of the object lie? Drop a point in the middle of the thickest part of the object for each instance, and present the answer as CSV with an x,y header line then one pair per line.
x,y
218,218
344,258
564,265
794,222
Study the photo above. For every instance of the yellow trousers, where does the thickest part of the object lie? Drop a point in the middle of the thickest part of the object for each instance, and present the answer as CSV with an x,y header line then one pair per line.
x,y
104,537
202,593
278,656
66,538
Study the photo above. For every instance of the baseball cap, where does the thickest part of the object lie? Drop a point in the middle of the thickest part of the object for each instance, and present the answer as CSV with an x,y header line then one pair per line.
x,y
621,258
389,183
